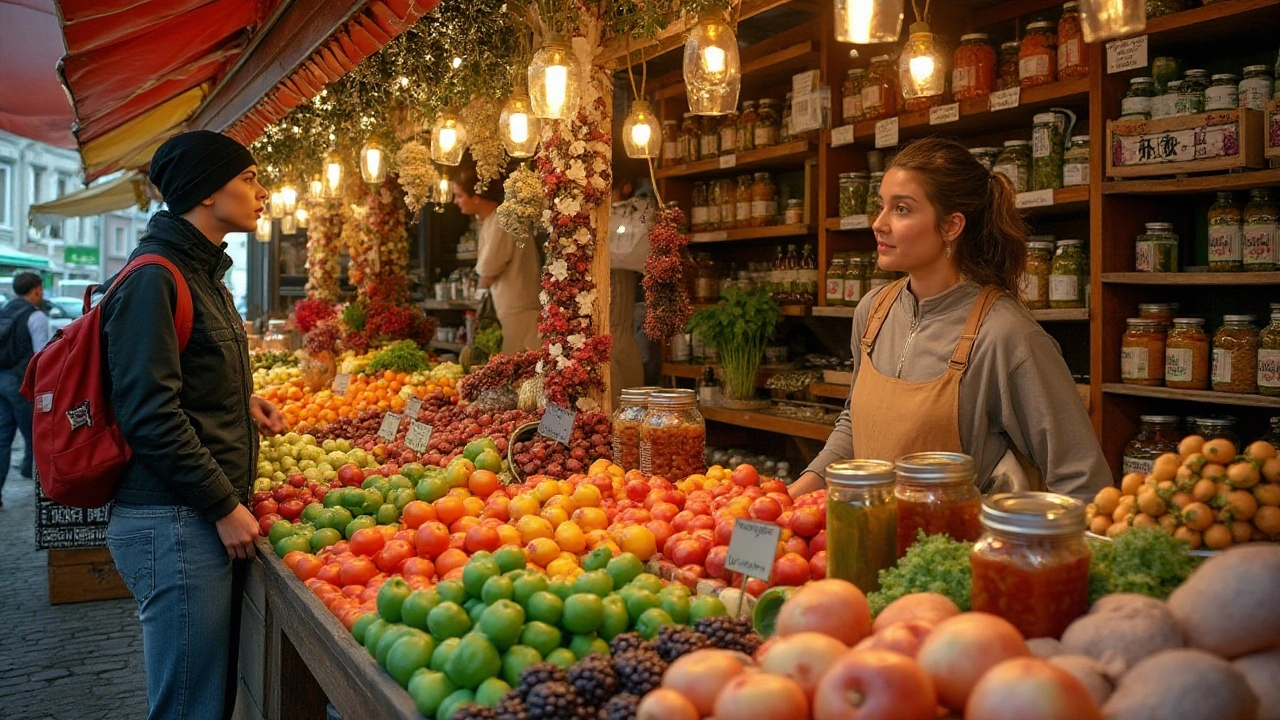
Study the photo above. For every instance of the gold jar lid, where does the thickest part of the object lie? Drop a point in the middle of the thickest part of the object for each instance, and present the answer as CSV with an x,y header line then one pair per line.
x,y
860,473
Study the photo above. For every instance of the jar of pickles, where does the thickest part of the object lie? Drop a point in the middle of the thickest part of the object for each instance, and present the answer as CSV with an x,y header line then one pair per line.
x,y
1157,435
1191,93
699,215
862,521
974,67
880,91
768,123
1235,355
1226,231
1269,357
1256,88
1186,355
1075,162
936,493
1031,564
1046,151
1136,104
1156,250
1038,57
1067,275
626,426
855,280
874,203
1261,243
1014,163
853,193
1034,284
851,95
1073,61
835,282
747,126
1223,92
1007,65
764,201
673,435
1142,352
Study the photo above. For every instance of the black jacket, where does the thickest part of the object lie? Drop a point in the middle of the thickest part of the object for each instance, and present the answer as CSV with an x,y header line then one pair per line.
x,y
186,418
20,310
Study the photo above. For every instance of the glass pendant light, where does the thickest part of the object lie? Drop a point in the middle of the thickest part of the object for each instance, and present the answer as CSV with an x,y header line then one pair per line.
x,y
1104,19
553,79
373,163
332,180
263,231
315,188
520,128
641,134
865,22
275,205
712,71
302,216
448,139
444,191
922,66
289,200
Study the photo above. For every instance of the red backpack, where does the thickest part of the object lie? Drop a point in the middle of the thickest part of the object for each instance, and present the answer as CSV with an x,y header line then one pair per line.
x,y
80,454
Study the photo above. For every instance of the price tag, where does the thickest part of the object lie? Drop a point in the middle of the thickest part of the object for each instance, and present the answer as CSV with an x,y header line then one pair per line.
x,y
728,161
340,383
1005,99
804,84
557,424
418,436
944,114
887,133
709,236
842,135
390,425
855,222
1035,198
413,407
1127,54
752,547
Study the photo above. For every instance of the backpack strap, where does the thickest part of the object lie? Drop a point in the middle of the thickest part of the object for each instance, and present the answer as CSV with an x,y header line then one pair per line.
x,y
183,315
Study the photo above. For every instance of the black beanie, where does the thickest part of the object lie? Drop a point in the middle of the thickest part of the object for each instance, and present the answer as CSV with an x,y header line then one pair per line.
x,y
190,167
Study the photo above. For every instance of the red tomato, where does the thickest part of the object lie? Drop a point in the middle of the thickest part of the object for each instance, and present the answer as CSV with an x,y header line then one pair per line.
x,y
418,567
367,541
393,555
432,539
357,571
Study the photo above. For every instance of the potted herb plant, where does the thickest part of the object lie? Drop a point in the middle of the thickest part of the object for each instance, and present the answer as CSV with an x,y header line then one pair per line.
x,y
738,327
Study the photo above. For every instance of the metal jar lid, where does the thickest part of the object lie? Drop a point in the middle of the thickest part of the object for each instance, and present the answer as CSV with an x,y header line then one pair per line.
x,y
935,467
1238,318
860,473
1225,77
1214,422
1069,243
981,36
1041,25
1046,246
1149,308
1044,118
1141,80
1144,322
638,395
1188,321
1158,418
1041,514
673,399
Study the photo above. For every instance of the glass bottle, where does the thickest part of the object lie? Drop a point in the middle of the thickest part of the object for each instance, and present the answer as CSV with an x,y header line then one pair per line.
x,y
1166,105
1165,69
707,286
1273,435
742,211
747,126
986,156
1136,104
1073,60
1038,57
713,205
1235,355
835,282
1034,282
880,91
1191,93
670,143
1046,152
764,201
1142,357
777,274
699,216
809,275
785,133
794,214
1186,355
709,393
1212,428
1075,162
728,203
767,123
862,521
874,202
709,138
1157,8
1157,435
1256,88
729,134
1067,279
853,193
1269,357
1226,230
673,435
276,339
851,96
936,494
792,287
1261,243
973,71
1223,92
1007,67
878,277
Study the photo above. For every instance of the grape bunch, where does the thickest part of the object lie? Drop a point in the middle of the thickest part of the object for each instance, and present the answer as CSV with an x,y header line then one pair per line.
x,y
591,440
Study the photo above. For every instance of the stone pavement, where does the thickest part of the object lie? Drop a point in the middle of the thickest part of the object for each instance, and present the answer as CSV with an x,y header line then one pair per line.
x,y
81,661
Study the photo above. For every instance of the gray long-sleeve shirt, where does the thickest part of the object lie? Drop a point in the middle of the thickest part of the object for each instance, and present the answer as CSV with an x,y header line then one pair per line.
x,y
1016,389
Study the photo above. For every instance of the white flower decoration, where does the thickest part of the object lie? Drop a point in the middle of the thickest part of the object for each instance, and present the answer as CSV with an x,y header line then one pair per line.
x,y
555,349
577,341
558,269
577,147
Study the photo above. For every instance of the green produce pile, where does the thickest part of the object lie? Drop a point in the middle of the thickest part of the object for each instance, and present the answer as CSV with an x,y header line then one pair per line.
x,y
935,563
489,339
404,356
268,360
1146,561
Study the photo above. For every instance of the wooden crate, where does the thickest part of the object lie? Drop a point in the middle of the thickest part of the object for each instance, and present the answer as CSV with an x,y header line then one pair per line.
x,y
1271,143
1209,142
82,575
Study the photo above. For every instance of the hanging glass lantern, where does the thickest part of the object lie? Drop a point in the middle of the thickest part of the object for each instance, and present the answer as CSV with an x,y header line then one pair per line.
x,y
302,216
275,205
289,199
1105,19
553,79
289,224
866,22
263,231
922,67
373,163
315,188
448,139
520,128
641,134
444,191
332,180
712,72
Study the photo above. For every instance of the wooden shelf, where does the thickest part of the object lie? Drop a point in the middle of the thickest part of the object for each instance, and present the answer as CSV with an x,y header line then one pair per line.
x,y
835,311
1203,396
830,390
786,156
1246,180
1192,278
1239,23
768,423
1067,315
1066,201
450,304
758,233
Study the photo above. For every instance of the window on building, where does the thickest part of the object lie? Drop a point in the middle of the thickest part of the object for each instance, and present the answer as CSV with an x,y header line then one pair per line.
x,y
118,248
37,184
6,194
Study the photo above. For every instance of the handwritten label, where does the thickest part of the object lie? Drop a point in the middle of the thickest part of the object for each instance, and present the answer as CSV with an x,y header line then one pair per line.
x,y
709,236
1127,54
1035,198
855,222
340,383
390,424
413,407
1005,99
804,84
1217,140
728,161
752,548
944,114
887,133
418,436
842,135
557,424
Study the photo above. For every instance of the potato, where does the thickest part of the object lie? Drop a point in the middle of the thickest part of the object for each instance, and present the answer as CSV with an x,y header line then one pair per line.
x,y
1184,684
1125,627
1091,673
1228,605
1045,647
1262,671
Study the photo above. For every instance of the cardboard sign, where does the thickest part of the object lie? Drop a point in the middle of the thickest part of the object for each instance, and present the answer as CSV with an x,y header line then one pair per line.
x,y
557,424
804,84
418,437
1035,198
413,407
752,548
728,161
390,425
806,113
855,222
842,135
1005,99
944,114
1127,54
887,133
340,383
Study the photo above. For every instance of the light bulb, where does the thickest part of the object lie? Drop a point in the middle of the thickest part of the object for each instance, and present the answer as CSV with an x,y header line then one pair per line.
x,y
518,127
332,179
553,80
557,79
316,187
263,231
302,215
289,198
374,161
921,68
641,135
1104,19
443,192
448,138
712,70
276,204
867,22
373,166
713,59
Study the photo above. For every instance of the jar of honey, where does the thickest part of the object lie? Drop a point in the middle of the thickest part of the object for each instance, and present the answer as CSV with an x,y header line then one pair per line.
x,y
936,494
673,435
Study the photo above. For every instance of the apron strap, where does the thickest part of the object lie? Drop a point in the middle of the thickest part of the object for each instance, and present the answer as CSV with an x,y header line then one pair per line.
x,y
880,311
981,308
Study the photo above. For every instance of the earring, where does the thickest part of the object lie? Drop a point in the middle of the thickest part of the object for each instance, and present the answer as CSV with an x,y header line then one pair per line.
x,y
948,251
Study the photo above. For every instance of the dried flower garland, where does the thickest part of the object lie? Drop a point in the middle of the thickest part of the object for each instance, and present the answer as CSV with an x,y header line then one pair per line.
x,y
666,298
417,174
379,244
324,249
523,203
480,117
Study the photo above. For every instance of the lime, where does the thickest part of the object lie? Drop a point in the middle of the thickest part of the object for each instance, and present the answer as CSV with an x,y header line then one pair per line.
x,y
332,498
541,637
391,597
597,559
489,460
429,690
361,625
454,702
352,499
491,691
516,660
416,607
336,518
444,651
373,500
389,638
616,619
371,482
510,558
497,588
291,543
280,530
475,608
452,591
651,620
323,538
399,482
387,514
409,654
525,587
311,512
562,657
583,613
545,607
413,471
584,645
373,633
475,661
648,581
624,568
638,601
360,523
561,588
502,622
432,489
765,615
477,572
705,606
448,620
677,606
401,497
596,582
475,447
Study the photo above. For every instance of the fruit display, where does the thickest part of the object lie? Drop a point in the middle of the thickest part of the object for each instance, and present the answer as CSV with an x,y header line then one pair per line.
x,y
592,440
273,368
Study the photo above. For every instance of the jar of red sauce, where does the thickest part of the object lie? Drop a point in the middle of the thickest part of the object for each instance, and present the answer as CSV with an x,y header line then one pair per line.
x,y
936,494
974,67
1038,57
626,426
1031,565
1073,60
673,435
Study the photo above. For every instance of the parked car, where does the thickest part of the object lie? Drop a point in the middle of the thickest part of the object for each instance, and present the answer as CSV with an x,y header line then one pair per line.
x,y
62,309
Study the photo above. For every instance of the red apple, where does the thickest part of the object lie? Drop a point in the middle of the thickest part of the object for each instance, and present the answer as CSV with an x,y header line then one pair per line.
x,y
698,506
681,521
745,475
662,531
634,516
266,521
754,586
674,497
319,493
774,486
808,522
350,475
260,496
1026,687
796,544
723,532
665,512
690,551
803,657
766,509
284,492
751,493
875,685
903,637
818,565
664,704
835,607
660,483
297,480
266,507
701,674
962,648
716,558
291,509
790,569
784,520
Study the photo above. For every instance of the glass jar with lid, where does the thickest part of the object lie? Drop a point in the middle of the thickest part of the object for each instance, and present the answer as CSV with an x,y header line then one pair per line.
x,y
1160,312
1142,352
880,91
1046,151
768,120
1166,104
690,138
1038,57
1226,232
1223,92
1157,8
1157,435
707,284
1007,65
1186,355
729,134
1235,355
670,143
764,201
728,203
276,338
1014,163
1156,250
1031,564
1165,69
1075,162
1261,242
835,281
713,205
1136,104
1269,357
874,203
794,214
673,435
1073,61
1068,273
1034,284
742,210
699,216
855,280
626,426
1256,88
936,493
862,521
986,156
853,193
709,138
1214,427
1191,93
974,67
851,95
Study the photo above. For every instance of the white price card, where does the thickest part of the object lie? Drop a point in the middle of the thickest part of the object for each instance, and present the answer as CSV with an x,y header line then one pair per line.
x,y
557,424
1035,198
1005,99
944,114
709,236
340,383
805,83
855,222
413,407
1127,54
887,133
418,436
390,425
842,135
752,548
728,161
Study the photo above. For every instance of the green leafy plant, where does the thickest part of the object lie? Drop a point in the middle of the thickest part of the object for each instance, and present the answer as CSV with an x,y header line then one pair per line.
x,y
354,316
1147,561
404,356
935,563
738,327
489,338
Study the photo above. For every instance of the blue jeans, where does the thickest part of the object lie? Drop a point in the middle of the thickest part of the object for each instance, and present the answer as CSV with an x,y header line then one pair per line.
x,y
183,580
15,416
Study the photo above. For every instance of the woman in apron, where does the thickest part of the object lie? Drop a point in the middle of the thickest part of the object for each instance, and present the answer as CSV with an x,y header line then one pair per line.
x,y
948,359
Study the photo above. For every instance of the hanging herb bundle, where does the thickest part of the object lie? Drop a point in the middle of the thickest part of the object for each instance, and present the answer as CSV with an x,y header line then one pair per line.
x,y
666,298
417,174
521,210
739,328
480,117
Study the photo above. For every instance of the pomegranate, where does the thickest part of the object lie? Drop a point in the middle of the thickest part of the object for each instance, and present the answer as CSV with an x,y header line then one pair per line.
x,y
832,607
930,607
875,685
753,695
1027,687
700,675
663,704
803,657
961,649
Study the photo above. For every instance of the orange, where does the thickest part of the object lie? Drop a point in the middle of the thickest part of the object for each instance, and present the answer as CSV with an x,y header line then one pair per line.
x,y
483,483
449,509
509,535
541,551
449,560
570,537
637,540
533,526
474,506
564,502
554,515
523,504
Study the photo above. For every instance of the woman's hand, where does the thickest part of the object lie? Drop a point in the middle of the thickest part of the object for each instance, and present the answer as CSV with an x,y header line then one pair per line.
x,y
807,482
266,415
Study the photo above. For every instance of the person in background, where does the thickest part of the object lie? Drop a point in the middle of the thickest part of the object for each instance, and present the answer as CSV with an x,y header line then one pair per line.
x,y
24,331
507,266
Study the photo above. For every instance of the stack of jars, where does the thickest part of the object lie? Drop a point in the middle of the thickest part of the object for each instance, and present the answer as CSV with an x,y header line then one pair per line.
x,y
748,201
1169,91
859,194
700,137
1244,239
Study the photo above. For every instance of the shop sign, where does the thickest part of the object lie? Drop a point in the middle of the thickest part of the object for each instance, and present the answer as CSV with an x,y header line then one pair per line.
x,y
944,114
1127,54
340,383
1005,99
390,425
887,133
1220,140
79,255
557,424
752,548
418,436
413,407
842,135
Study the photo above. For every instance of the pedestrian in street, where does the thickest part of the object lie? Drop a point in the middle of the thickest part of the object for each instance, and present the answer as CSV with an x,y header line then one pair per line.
x,y
178,530
24,331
